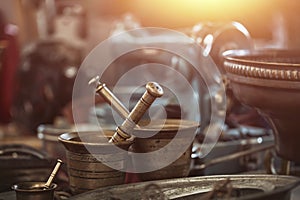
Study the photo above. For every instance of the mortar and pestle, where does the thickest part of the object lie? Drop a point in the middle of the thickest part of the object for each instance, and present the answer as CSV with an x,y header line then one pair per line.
x,y
156,136
94,160
37,190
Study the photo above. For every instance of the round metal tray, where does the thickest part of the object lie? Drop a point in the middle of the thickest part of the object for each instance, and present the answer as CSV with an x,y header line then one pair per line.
x,y
242,187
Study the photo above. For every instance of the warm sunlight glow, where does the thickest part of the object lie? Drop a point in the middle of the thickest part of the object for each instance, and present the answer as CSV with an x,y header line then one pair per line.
x,y
183,11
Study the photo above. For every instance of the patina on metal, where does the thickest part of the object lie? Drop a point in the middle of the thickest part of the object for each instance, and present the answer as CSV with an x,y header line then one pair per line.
x,y
269,81
34,191
92,161
240,187
160,133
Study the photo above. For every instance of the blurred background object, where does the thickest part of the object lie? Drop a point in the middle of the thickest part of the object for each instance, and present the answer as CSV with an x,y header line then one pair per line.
x,y
269,20
9,54
83,24
44,82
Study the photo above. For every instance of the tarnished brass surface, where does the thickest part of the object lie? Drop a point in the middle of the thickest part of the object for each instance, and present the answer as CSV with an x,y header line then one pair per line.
x,y
163,132
92,161
34,191
269,81
254,187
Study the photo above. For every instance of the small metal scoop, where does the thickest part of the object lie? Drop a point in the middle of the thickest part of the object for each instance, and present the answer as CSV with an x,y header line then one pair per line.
x,y
37,190
53,173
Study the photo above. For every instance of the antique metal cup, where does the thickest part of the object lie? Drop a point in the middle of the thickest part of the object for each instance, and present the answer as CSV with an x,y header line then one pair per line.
x,y
92,161
34,191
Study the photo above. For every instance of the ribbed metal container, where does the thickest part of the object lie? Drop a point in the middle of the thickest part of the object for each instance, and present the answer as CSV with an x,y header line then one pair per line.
x,y
92,161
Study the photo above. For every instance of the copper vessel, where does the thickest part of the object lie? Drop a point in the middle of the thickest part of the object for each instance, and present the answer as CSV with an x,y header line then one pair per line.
x,y
89,160
269,81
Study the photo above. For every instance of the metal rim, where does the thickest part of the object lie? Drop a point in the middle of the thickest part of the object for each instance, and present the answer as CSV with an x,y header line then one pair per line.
x,y
264,64
168,125
260,56
68,138
32,187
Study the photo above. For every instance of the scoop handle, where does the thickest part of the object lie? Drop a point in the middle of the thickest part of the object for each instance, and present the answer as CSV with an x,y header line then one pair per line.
x,y
53,173
112,100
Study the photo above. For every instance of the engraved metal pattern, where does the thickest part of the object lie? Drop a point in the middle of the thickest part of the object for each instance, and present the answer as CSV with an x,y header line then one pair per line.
x,y
95,157
262,72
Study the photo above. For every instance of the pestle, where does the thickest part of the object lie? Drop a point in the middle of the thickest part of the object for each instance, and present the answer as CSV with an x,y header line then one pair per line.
x,y
53,173
123,132
109,97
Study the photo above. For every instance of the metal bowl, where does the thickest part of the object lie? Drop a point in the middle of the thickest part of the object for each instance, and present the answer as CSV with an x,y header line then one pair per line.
x,y
34,191
269,81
